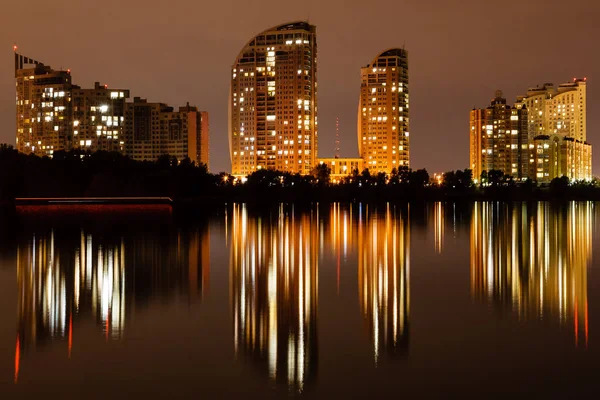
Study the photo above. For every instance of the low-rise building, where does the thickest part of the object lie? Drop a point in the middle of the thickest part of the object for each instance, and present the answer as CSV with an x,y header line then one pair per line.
x,y
555,156
342,167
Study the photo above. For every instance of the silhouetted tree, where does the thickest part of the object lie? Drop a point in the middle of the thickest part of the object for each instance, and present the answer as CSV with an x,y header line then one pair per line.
x,y
559,186
495,177
419,178
322,174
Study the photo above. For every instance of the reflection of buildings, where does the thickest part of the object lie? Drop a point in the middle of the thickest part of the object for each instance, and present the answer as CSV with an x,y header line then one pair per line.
x,y
65,278
534,260
439,215
274,286
384,279
52,287
340,236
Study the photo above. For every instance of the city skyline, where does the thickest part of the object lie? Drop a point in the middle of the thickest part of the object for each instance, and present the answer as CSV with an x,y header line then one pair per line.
x,y
53,114
434,80
541,137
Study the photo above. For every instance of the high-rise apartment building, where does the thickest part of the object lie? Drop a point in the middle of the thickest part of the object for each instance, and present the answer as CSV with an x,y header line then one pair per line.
x,y
557,111
558,131
155,129
383,114
499,139
54,114
273,102
542,137
99,118
44,107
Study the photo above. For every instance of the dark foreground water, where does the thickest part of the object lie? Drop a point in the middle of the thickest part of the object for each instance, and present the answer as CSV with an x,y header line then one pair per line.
x,y
336,301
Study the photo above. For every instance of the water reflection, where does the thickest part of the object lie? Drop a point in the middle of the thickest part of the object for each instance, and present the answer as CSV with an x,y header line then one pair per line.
x,y
384,279
54,284
70,276
274,289
340,236
533,259
439,217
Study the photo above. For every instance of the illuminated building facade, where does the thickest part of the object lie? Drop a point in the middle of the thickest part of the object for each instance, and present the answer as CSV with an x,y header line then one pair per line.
x,y
52,114
273,102
499,139
558,111
534,260
342,167
556,156
274,293
99,118
558,131
43,107
542,137
384,279
383,114
155,129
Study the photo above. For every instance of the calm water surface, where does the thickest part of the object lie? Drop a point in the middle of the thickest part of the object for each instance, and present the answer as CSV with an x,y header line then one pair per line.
x,y
335,301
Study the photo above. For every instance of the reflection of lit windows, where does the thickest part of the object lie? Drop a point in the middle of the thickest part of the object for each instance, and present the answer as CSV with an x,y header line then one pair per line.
x,y
289,286
538,272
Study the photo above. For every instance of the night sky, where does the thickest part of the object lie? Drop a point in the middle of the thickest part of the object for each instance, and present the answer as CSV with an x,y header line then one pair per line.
x,y
181,51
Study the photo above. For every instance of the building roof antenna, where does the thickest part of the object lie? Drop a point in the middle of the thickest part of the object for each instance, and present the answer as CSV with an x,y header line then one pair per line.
x,y
336,152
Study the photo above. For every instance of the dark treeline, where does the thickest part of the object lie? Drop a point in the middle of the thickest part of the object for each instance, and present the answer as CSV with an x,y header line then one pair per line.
x,y
80,174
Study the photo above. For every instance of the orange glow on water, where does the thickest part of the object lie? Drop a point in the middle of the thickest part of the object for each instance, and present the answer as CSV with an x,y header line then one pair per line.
x,y
576,322
338,272
17,359
586,323
70,334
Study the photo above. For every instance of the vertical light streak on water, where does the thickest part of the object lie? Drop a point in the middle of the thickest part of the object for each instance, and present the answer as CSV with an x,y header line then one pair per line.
x,y
77,278
303,261
396,302
88,262
272,290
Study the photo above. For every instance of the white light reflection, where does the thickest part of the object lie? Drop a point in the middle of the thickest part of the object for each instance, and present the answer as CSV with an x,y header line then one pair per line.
x,y
273,275
534,259
64,286
383,279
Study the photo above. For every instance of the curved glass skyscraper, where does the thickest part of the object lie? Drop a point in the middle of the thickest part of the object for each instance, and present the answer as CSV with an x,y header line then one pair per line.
x,y
383,135
273,102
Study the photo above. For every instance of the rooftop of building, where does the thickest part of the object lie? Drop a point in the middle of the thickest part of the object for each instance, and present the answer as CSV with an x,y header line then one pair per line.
x,y
393,52
294,26
549,90
328,159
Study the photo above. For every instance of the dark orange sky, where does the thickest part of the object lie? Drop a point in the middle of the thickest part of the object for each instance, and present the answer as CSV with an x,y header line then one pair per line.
x,y
181,50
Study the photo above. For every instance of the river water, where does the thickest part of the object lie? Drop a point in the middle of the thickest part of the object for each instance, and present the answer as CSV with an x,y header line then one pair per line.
x,y
327,301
